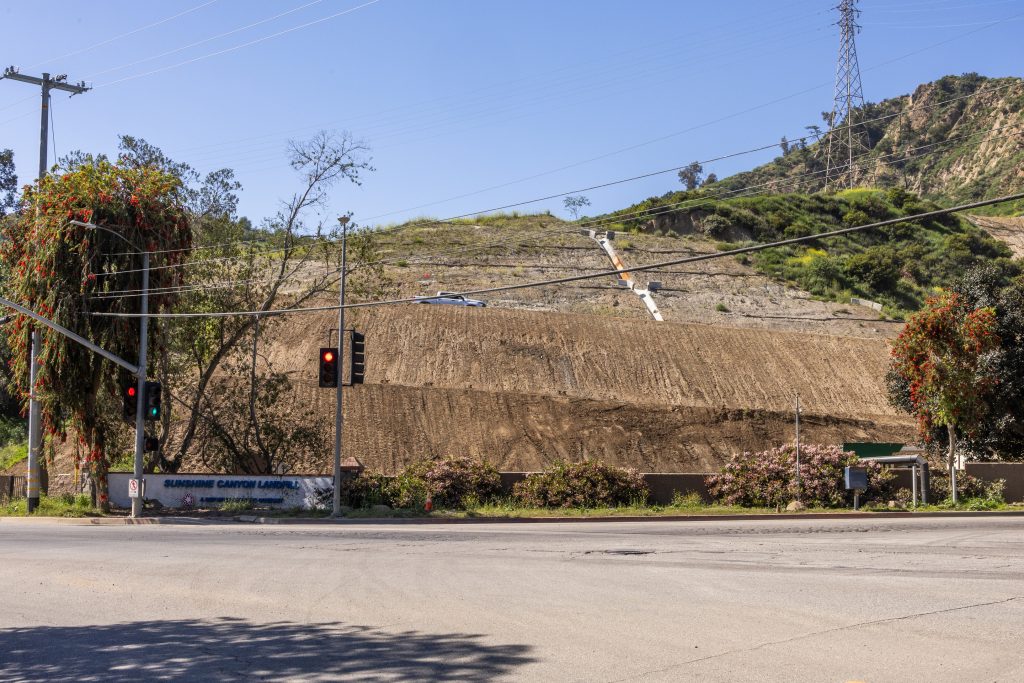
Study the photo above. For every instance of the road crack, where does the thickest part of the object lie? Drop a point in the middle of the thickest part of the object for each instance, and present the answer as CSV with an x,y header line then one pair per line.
x,y
837,629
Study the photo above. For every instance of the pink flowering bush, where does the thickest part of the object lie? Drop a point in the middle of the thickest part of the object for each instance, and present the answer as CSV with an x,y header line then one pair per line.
x,y
767,479
585,484
453,481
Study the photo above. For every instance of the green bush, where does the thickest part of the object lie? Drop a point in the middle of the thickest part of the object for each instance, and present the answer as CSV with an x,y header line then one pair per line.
x,y
586,484
971,491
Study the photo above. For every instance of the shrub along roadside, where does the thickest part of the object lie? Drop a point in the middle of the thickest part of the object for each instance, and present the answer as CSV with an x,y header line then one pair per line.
x,y
767,478
585,484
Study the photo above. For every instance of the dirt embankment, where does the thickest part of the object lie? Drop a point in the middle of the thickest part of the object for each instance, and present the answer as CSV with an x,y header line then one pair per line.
x,y
523,389
1005,228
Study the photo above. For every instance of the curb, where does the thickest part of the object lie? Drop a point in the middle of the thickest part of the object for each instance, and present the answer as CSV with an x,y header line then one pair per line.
x,y
253,519
307,521
105,521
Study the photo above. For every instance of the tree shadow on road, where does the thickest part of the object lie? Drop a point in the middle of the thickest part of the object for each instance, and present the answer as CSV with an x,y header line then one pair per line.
x,y
229,648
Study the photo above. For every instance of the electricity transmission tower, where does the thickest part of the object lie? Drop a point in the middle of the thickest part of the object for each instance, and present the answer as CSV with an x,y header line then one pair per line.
x,y
845,138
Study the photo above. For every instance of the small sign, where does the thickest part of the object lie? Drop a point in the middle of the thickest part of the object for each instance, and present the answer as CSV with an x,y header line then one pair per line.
x,y
855,478
133,488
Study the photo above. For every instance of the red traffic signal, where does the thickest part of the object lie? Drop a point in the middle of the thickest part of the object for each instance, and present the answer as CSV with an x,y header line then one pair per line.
x,y
129,401
329,370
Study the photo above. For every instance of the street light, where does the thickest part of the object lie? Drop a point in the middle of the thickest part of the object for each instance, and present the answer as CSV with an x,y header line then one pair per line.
x,y
140,392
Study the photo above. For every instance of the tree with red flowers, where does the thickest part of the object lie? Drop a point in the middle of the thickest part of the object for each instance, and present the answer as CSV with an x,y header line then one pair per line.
x,y
944,354
62,271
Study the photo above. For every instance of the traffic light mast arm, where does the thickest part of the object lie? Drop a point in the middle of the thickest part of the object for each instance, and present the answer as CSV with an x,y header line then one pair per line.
x,y
134,369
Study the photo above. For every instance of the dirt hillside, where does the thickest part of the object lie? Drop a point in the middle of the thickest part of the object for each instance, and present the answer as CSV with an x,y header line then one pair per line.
x,y
522,389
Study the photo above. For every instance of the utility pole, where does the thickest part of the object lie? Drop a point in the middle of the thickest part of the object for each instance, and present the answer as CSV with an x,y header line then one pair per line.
x,y
338,418
844,143
46,83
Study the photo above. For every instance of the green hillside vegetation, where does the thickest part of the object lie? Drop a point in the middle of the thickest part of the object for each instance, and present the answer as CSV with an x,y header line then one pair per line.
x,y
898,265
956,140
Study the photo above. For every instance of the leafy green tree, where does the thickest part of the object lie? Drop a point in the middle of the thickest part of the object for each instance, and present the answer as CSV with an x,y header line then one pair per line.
x,y
574,203
63,271
8,182
692,175
945,354
1001,435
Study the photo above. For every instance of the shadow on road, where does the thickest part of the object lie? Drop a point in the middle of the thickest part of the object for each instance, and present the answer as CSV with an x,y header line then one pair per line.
x,y
230,648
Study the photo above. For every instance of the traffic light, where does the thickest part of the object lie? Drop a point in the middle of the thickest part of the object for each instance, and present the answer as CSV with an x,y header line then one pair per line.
x,y
153,395
329,363
151,444
130,396
358,357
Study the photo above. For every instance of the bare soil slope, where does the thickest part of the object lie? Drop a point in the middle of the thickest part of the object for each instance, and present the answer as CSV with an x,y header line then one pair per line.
x,y
1007,229
522,389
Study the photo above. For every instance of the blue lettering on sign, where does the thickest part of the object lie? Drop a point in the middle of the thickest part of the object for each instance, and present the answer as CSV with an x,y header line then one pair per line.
x,y
230,484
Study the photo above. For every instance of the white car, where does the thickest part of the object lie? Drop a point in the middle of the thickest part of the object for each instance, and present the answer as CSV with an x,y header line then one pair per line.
x,y
450,298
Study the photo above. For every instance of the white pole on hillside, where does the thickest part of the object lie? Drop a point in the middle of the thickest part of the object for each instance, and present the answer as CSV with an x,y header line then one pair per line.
x,y
798,446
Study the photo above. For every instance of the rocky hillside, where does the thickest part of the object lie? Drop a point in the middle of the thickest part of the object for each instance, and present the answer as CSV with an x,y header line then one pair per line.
x,y
958,139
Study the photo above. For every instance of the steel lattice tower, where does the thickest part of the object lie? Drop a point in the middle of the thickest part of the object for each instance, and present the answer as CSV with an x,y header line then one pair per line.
x,y
845,139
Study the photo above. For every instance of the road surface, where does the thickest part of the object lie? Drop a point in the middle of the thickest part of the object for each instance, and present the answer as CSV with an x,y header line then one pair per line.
x,y
866,600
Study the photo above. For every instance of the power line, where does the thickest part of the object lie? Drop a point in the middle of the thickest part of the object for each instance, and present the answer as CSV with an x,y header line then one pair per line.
x,y
205,40
93,46
239,47
590,276
691,203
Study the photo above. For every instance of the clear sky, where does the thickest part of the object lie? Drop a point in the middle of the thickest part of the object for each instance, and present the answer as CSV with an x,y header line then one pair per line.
x,y
470,104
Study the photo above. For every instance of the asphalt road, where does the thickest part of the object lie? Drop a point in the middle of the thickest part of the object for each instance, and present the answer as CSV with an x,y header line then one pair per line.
x,y
879,600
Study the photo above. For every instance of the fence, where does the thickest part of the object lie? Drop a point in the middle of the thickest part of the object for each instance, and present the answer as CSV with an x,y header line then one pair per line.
x,y
12,488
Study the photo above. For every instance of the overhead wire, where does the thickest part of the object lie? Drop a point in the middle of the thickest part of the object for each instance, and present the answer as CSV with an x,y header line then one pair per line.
x,y
587,276
205,40
239,47
689,204
575,191
93,46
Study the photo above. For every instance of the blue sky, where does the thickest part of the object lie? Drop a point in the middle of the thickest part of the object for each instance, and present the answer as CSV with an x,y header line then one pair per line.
x,y
470,104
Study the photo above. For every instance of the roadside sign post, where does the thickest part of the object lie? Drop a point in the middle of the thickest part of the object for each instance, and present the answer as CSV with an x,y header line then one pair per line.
x,y
855,479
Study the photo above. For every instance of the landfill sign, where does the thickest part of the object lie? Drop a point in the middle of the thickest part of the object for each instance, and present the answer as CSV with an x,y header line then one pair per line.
x,y
133,488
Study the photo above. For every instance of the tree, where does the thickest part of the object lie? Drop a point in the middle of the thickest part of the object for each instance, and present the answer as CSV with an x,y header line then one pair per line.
x,y
573,204
945,356
1001,435
784,146
8,182
239,412
68,273
712,178
691,176
815,132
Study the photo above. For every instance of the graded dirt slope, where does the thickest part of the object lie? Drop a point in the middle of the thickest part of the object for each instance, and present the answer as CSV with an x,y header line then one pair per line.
x,y
1007,229
723,291
522,389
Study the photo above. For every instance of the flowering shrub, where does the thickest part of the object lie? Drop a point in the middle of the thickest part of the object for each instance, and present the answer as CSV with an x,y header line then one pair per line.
x,y
581,485
767,479
450,482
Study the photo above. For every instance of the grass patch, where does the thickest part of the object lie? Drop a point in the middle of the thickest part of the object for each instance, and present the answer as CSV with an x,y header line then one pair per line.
x,y
65,505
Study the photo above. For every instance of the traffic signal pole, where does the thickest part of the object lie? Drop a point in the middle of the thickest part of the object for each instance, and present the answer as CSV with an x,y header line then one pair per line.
x,y
140,393
338,418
